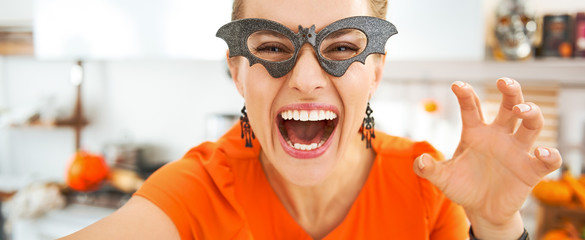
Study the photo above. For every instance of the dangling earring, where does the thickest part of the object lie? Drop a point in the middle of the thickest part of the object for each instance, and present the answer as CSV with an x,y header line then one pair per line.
x,y
367,128
247,132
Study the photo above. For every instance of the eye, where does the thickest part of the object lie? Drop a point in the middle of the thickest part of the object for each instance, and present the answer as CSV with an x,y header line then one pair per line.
x,y
504,20
525,19
270,46
343,44
342,48
340,51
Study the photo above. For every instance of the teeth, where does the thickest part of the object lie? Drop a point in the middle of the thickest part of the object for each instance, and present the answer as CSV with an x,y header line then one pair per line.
x,y
313,115
308,115
304,115
305,147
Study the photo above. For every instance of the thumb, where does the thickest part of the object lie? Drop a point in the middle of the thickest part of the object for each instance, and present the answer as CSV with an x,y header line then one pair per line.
x,y
426,167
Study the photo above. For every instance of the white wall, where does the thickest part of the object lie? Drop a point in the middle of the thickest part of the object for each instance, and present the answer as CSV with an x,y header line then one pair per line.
x,y
430,30
572,127
16,12
4,165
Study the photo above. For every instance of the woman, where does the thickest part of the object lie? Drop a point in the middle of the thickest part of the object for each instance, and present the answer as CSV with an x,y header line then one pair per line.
x,y
305,163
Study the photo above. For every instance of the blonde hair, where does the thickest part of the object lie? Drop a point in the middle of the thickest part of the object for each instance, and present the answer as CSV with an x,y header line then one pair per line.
x,y
378,7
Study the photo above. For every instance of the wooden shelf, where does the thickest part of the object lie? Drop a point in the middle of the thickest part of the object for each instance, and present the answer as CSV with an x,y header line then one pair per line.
x,y
16,42
55,124
565,71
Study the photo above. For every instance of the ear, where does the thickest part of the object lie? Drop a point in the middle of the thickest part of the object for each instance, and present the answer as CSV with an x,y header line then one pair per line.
x,y
378,72
234,66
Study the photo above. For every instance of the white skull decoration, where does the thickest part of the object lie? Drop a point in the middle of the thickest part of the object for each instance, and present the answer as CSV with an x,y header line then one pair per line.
x,y
514,29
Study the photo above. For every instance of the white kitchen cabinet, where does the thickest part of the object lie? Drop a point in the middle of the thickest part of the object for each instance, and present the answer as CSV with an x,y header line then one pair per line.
x,y
436,30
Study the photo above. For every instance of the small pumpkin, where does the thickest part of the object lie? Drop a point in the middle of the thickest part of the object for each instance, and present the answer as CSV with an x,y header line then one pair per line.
x,y
581,179
556,234
86,171
553,192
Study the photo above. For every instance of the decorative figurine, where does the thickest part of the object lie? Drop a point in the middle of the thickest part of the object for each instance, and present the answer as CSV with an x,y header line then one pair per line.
x,y
514,29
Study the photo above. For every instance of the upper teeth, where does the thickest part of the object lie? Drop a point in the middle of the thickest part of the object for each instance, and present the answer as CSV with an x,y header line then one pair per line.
x,y
308,115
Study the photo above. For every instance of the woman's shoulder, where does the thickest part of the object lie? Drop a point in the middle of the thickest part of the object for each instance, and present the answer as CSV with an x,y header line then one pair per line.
x,y
197,191
190,178
207,167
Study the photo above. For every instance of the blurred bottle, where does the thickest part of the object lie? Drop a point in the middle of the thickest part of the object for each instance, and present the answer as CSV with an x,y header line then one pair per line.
x,y
580,35
514,30
556,40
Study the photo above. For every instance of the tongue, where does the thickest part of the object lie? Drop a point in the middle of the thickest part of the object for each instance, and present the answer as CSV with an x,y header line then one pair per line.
x,y
305,132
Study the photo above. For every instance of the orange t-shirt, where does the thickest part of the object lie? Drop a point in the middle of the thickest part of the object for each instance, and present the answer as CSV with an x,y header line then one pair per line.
x,y
219,191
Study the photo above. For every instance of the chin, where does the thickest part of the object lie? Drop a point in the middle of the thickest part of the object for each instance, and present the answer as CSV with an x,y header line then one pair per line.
x,y
308,172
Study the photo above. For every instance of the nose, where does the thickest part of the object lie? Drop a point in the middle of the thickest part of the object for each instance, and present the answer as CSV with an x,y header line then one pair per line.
x,y
307,77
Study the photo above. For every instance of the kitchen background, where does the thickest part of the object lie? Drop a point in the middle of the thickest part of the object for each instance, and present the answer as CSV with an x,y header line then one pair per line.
x,y
155,84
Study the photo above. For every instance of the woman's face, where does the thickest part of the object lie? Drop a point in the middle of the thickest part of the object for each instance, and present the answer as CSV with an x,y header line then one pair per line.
x,y
306,152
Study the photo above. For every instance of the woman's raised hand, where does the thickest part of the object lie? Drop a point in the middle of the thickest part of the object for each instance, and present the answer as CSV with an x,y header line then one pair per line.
x,y
492,170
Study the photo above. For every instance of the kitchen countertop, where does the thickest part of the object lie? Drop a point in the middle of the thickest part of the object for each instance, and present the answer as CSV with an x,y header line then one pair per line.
x,y
59,223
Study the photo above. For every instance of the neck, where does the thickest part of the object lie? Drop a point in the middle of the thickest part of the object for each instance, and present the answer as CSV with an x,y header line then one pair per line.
x,y
320,208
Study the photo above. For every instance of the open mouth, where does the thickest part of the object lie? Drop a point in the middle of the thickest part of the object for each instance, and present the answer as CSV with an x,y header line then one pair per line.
x,y
307,130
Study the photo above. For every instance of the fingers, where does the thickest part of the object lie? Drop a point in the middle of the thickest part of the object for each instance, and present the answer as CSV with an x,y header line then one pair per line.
x,y
511,96
426,167
471,114
549,159
532,122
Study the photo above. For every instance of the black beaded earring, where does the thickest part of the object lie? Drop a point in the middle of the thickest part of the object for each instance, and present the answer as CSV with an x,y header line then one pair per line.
x,y
367,128
247,132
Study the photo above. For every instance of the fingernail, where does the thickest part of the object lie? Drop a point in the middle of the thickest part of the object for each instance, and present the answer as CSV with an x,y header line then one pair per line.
x,y
523,107
543,152
508,81
421,163
459,83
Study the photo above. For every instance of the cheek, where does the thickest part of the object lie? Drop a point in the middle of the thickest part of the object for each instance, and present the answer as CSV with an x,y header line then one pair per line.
x,y
260,90
357,83
259,86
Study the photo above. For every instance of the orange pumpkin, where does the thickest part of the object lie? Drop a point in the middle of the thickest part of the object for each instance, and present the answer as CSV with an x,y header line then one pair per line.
x,y
86,171
556,234
581,179
553,192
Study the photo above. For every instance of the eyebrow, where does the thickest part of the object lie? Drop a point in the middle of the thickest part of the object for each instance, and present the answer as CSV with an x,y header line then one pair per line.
x,y
343,32
269,33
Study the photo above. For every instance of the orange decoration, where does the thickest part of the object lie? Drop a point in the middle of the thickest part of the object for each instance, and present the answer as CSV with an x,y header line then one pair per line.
x,y
556,234
553,192
86,171
430,106
565,49
575,186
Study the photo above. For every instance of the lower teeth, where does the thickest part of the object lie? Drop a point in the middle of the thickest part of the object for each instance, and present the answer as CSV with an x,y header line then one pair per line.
x,y
306,147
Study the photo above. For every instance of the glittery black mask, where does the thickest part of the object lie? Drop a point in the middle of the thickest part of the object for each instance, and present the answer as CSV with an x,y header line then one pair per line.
x,y
276,47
